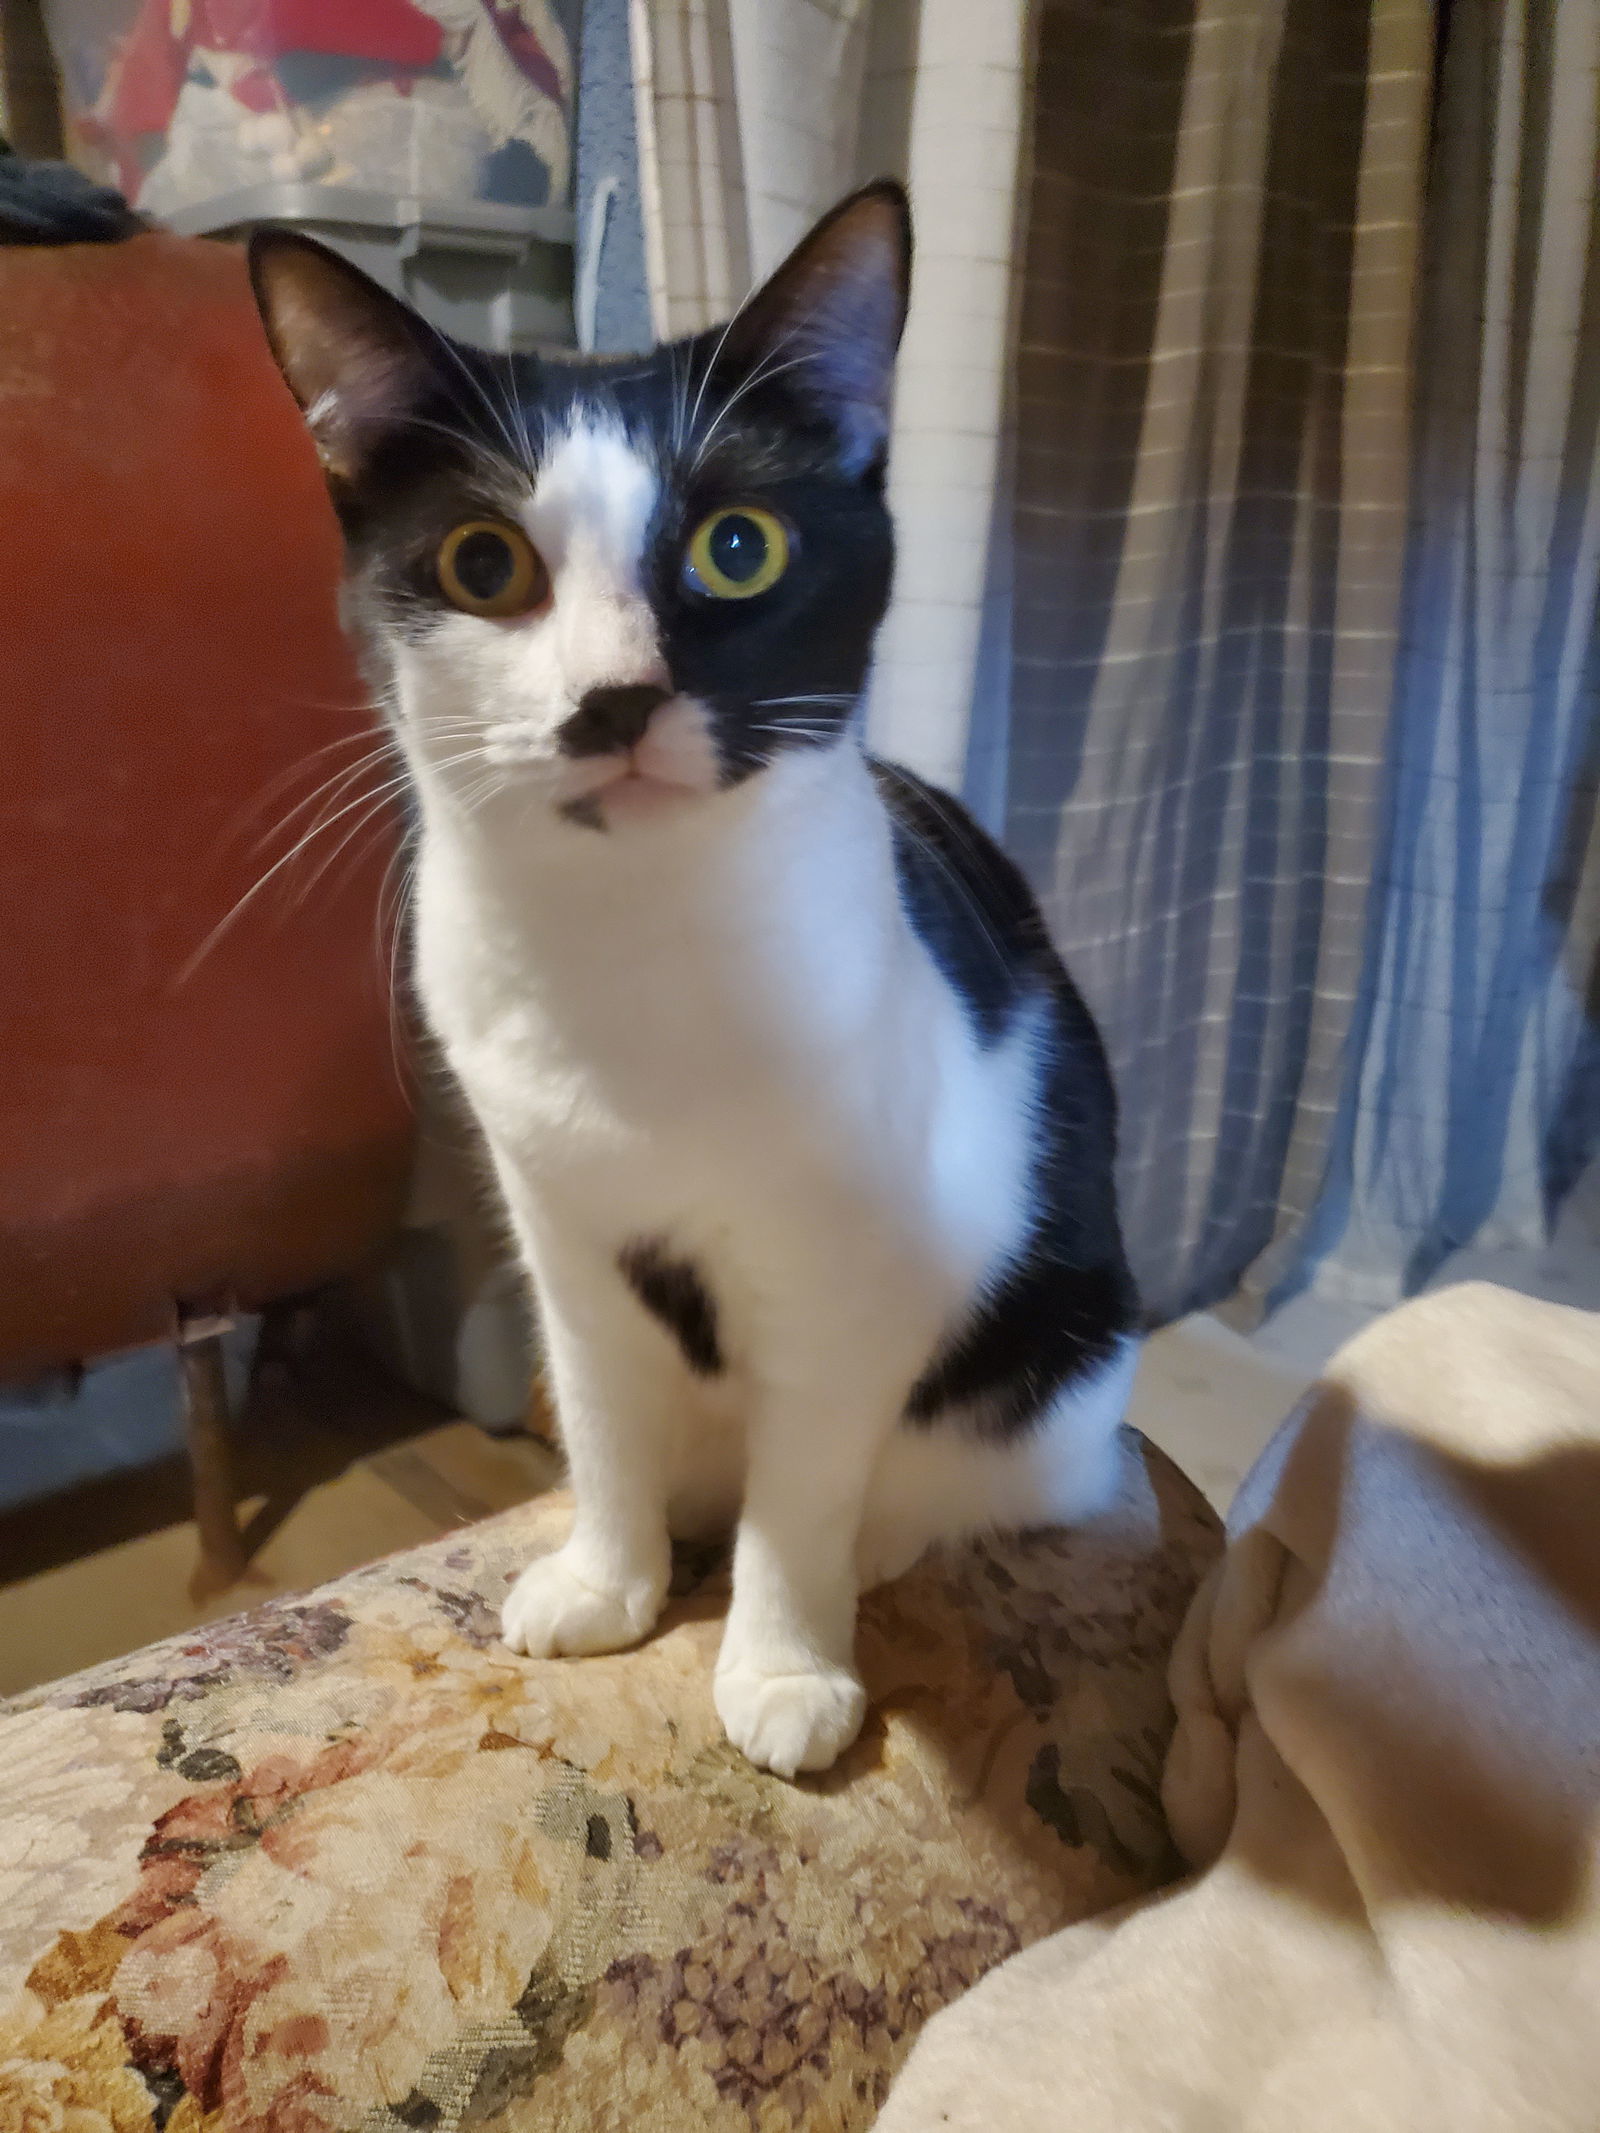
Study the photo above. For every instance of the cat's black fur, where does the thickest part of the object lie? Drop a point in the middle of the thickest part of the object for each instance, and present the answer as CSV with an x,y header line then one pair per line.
x,y
672,1290
1061,1305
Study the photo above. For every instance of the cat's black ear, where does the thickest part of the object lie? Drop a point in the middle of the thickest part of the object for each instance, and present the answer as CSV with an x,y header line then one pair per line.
x,y
828,322
354,356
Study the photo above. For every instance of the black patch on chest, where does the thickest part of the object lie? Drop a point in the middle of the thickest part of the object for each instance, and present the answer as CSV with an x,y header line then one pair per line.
x,y
1065,1300
672,1291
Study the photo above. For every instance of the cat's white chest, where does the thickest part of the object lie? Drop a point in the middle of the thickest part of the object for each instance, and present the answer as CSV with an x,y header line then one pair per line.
x,y
509,1036
675,1003
707,1040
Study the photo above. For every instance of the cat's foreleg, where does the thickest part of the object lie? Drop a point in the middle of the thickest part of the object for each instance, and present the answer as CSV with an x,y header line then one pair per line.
x,y
614,1388
786,1686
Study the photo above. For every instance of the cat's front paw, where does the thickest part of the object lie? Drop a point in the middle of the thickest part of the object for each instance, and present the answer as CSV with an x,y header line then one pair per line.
x,y
790,1722
552,1612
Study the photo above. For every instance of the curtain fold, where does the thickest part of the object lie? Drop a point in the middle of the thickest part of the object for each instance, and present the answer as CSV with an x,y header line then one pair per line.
x,y
1209,529
1473,1096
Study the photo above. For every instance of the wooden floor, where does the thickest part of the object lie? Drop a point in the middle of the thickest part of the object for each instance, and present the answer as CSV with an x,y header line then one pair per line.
x,y
342,1469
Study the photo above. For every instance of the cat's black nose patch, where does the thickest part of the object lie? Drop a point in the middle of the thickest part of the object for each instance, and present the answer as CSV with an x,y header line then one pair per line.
x,y
611,717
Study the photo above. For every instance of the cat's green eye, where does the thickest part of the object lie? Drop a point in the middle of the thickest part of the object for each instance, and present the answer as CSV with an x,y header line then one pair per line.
x,y
737,552
488,567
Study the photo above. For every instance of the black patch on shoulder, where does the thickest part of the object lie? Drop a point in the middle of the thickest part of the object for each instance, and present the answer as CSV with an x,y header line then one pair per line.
x,y
672,1291
1059,1309
968,903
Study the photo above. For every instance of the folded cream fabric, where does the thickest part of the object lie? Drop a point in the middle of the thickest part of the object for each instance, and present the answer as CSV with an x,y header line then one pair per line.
x,y
1386,1774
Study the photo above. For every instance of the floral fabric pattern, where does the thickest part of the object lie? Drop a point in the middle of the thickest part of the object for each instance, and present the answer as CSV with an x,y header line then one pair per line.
x,y
346,1865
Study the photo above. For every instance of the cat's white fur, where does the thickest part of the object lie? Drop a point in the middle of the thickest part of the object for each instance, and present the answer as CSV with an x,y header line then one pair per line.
x,y
714,1024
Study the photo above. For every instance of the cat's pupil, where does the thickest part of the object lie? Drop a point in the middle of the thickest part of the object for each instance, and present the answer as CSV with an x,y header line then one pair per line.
x,y
738,547
484,564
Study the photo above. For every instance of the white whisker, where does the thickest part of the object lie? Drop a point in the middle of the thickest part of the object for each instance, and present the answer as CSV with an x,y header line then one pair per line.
x,y
817,697
520,460
367,805
406,857
766,369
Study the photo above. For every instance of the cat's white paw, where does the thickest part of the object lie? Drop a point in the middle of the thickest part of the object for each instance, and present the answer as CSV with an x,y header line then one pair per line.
x,y
551,1612
790,1722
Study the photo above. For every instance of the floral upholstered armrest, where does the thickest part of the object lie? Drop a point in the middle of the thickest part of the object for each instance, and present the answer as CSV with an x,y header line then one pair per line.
x,y
347,1863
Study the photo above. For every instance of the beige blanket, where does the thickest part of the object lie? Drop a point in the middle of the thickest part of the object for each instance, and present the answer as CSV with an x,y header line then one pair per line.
x,y
1386,1775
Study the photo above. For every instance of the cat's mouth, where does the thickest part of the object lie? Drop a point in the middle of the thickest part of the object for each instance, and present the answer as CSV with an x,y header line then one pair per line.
x,y
637,794
624,789
672,764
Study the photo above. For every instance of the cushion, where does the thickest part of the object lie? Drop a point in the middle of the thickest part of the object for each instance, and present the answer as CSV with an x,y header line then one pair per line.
x,y
347,1863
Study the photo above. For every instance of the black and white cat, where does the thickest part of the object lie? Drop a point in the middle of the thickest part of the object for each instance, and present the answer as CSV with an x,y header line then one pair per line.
x,y
805,1134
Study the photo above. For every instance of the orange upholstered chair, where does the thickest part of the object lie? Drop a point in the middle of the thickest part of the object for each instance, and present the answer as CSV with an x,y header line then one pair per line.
x,y
198,1113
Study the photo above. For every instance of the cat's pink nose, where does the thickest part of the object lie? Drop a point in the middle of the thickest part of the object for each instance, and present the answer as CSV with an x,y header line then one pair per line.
x,y
611,718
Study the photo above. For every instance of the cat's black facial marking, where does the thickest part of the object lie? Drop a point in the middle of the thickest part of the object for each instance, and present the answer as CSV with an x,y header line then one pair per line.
x,y
672,1291
785,669
424,476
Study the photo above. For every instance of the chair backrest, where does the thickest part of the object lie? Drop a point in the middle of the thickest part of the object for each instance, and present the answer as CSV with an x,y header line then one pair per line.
x,y
193,1107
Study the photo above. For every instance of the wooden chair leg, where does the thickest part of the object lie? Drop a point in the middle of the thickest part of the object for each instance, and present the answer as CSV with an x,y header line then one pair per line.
x,y
206,1417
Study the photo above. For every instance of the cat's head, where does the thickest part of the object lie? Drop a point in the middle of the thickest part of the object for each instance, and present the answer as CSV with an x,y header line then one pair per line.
x,y
624,586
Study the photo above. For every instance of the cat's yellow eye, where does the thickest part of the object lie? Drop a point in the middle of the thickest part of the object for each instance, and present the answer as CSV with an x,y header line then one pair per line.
x,y
737,552
487,567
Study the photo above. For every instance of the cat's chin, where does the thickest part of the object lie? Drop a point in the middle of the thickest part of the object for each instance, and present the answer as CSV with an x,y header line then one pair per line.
x,y
637,797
